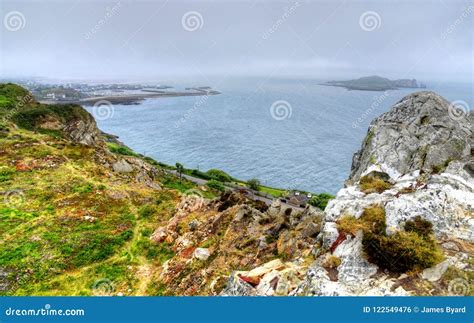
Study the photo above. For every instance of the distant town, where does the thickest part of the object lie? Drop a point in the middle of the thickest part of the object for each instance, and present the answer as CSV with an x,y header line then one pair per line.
x,y
88,94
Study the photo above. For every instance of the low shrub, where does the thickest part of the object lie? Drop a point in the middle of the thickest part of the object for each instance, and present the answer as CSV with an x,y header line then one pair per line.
x,y
332,262
146,211
216,185
219,175
321,200
371,220
197,173
254,184
408,250
402,251
121,150
349,225
420,226
159,252
373,184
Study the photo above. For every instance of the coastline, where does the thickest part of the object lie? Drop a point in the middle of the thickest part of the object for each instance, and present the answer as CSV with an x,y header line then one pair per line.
x,y
130,99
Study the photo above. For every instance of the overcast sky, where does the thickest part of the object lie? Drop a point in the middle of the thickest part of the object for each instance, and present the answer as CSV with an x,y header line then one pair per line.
x,y
147,40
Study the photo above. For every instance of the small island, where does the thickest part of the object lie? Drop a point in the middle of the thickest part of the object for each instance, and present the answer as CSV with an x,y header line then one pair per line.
x,y
376,83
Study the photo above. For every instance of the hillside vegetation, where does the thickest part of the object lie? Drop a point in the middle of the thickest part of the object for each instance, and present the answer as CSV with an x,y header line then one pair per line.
x,y
81,214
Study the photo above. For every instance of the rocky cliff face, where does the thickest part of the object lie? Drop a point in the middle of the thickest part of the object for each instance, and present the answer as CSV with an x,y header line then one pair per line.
x,y
420,133
414,170
81,129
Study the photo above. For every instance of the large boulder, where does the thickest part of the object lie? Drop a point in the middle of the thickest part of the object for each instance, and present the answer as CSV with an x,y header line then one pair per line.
x,y
422,132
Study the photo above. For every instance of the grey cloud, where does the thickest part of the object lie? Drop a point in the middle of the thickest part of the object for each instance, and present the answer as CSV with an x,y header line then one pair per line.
x,y
145,40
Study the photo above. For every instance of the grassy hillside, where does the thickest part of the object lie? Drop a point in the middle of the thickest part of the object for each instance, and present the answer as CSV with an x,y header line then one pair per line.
x,y
69,224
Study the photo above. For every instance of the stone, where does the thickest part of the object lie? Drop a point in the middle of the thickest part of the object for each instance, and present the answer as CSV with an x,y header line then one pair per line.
x,y
89,218
330,234
237,287
122,166
193,225
287,243
201,254
262,243
449,245
436,272
159,235
267,267
272,278
309,226
354,268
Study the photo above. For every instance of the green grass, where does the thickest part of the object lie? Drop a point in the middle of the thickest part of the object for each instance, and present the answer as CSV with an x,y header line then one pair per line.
x,y
121,150
173,182
154,252
276,192
6,173
216,185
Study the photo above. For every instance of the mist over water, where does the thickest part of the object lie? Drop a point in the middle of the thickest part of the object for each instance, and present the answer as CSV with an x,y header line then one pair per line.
x,y
308,143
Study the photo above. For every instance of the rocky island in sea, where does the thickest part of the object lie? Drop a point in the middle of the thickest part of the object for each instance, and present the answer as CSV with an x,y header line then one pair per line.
x,y
83,216
376,83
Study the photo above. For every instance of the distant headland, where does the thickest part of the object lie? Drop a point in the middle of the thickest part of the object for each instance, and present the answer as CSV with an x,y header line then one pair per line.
x,y
376,83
